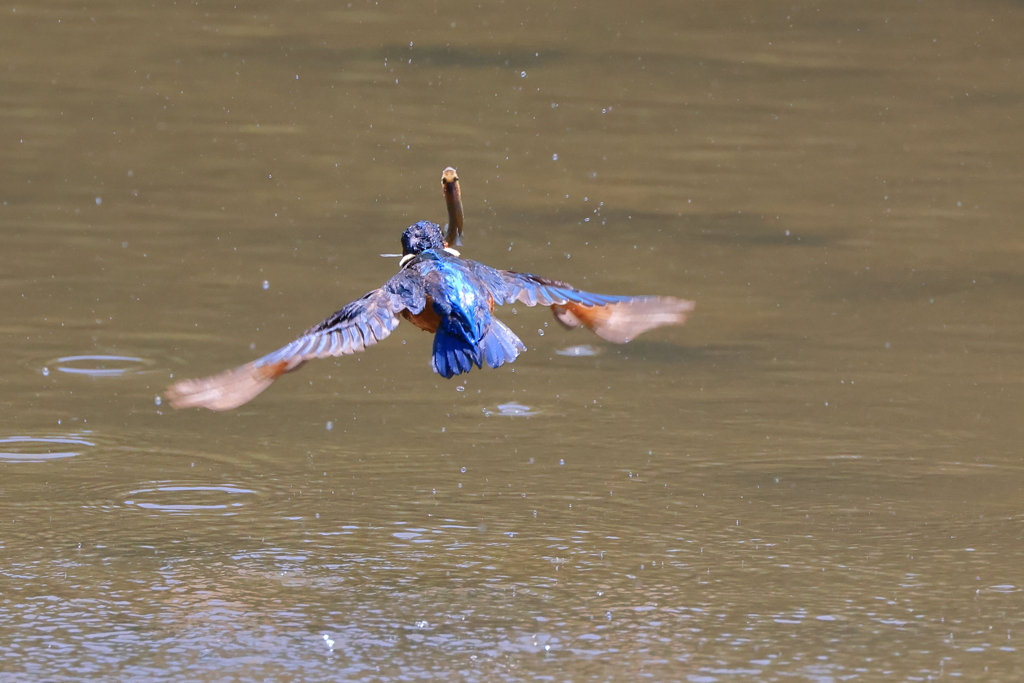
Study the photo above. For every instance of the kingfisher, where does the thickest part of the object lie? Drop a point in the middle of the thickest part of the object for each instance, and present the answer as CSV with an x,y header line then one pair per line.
x,y
451,297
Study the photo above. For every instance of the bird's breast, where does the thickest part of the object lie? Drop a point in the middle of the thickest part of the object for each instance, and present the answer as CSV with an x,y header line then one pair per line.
x,y
427,320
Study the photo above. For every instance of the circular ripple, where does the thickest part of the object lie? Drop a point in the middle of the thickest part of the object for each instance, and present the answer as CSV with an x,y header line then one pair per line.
x,y
96,365
39,448
511,410
185,499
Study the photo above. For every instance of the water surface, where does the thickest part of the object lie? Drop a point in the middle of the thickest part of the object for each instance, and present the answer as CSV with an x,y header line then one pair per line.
x,y
818,477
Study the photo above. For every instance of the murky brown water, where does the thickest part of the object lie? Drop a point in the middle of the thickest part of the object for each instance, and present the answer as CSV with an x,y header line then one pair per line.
x,y
819,477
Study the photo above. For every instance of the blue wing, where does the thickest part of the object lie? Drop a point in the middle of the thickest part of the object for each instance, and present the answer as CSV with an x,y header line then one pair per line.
x,y
362,323
617,319
534,290
508,286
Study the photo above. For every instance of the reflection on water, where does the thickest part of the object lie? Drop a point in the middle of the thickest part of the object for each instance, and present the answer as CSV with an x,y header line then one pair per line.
x,y
816,478
580,350
488,602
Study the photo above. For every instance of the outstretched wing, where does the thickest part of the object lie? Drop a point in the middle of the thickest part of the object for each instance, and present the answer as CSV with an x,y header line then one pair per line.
x,y
624,321
617,319
534,290
362,323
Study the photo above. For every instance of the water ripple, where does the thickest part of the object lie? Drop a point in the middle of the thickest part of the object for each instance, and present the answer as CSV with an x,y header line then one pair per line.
x,y
184,499
511,410
39,448
98,365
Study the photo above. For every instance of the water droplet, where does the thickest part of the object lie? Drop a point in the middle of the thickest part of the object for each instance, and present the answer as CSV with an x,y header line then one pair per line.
x,y
540,332
266,284
554,157
330,425
46,372
463,470
157,400
99,200
460,388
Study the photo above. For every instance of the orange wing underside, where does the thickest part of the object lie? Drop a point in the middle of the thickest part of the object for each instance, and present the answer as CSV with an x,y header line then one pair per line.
x,y
229,389
622,322
618,323
574,315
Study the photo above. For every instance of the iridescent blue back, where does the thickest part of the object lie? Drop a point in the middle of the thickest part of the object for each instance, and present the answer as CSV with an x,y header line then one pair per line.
x,y
462,301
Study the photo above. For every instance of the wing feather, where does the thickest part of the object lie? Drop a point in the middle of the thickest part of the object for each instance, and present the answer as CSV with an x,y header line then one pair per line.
x,y
362,323
348,342
617,319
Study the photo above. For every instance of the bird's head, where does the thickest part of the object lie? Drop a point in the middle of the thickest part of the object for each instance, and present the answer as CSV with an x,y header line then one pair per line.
x,y
419,237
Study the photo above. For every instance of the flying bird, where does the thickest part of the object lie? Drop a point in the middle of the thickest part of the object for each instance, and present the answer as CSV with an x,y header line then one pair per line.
x,y
453,298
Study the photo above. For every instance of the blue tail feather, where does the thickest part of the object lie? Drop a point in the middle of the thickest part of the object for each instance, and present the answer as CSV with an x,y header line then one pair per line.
x,y
500,345
454,355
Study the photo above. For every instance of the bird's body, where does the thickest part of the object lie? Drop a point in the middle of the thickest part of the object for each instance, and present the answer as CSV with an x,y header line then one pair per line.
x,y
458,309
451,297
